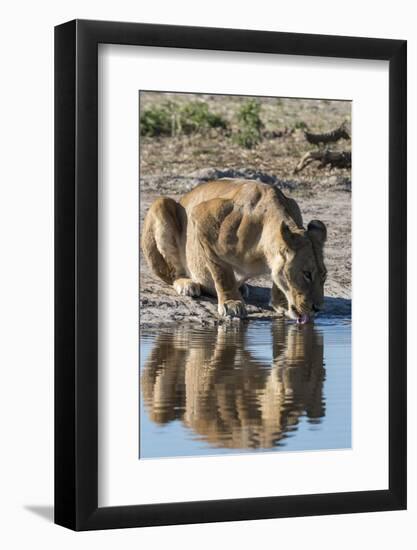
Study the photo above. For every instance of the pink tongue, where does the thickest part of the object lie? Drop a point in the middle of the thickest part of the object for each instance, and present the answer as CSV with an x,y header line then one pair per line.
x,y
303,319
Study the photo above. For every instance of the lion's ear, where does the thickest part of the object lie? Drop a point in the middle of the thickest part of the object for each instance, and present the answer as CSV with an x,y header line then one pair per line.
x,y
317,229
290,238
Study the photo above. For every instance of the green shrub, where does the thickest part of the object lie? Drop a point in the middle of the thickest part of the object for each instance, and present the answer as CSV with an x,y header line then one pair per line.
x,y
196,117
250,124
156,121
171,119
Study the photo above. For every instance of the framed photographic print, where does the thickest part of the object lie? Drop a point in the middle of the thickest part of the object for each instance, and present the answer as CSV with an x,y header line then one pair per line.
x,y
230,234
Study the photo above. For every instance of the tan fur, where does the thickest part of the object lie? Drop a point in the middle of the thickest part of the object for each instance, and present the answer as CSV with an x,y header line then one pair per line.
x,y
224,232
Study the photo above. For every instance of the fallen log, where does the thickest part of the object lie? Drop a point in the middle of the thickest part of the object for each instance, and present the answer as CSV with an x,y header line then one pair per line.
x,y
328,137
336,159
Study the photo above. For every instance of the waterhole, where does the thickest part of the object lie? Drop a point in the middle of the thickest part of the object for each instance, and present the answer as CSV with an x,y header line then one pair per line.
x,y
259,386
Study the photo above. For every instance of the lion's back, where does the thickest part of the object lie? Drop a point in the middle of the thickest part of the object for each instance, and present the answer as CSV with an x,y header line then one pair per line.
x,y
245,193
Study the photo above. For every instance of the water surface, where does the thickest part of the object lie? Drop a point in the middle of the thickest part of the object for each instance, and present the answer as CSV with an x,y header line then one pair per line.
x,y
245,387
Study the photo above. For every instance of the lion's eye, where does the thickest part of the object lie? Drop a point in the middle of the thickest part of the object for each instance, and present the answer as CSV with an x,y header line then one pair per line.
x,y
307,275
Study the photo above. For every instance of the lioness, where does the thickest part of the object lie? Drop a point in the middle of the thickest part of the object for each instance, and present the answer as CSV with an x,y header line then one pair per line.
x,y
224,232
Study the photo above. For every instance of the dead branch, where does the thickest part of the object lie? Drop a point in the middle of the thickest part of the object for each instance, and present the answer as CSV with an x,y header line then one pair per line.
x,y
336,159
328,137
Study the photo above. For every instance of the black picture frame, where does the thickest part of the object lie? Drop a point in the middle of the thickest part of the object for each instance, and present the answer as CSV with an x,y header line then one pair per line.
x,y
76,272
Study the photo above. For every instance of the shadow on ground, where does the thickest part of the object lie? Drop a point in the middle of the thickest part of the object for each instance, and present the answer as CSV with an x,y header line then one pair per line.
x,y
332,307
45,512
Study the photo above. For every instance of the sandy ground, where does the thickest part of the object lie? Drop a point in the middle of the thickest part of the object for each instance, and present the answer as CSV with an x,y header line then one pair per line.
x,y
173,166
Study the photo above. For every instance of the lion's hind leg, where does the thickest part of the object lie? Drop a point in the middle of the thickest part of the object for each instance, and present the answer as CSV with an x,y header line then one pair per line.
x,y
162,244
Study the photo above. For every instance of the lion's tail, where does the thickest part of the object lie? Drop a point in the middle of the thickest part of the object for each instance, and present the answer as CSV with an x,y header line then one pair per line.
x,y
160,239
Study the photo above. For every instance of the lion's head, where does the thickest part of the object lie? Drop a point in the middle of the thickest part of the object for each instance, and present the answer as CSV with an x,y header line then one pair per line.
x,y
300,272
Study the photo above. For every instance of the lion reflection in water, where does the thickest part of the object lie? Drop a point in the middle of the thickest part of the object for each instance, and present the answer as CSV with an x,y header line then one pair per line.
x,y
214,383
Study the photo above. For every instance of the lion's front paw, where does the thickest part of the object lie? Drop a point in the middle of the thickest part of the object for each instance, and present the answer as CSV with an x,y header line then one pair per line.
x,y
186,287
233,308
